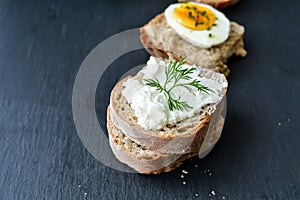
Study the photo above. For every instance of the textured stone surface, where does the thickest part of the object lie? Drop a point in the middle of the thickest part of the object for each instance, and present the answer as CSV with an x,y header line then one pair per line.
x,y
42,44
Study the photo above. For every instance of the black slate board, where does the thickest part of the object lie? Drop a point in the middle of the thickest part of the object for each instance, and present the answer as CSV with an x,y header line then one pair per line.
x,y
42,45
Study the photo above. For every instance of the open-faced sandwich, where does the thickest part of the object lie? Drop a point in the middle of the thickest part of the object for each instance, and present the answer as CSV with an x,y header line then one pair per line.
x,y
194,31
160,117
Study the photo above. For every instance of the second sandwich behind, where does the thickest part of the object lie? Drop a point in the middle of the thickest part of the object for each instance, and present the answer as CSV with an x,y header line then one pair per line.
x,y
194,31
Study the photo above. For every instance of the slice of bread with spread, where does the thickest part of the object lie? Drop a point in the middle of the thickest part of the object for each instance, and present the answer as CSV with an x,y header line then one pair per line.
x,y
184,136
162,40
162,148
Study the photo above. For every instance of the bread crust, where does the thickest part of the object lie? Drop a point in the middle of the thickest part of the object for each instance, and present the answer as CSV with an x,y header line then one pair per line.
x,y
214,58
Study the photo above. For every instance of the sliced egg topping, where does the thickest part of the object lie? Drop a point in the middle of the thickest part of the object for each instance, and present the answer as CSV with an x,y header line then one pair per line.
x,y
198,23
194,17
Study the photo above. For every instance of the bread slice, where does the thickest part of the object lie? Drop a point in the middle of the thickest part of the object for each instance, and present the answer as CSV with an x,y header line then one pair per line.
x,y
219,4
184,137
150,162
160,40
139,158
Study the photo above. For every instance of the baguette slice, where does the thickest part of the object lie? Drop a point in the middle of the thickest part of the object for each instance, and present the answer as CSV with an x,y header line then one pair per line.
x,y
184,137
150,162
219,4
161,41
139,158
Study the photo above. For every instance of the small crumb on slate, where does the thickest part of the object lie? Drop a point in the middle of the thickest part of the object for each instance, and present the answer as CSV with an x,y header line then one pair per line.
x,y
223,198
183,182
213,192
210,174
184,171
279,123
196,165
289,120
196,194
79,186
182,176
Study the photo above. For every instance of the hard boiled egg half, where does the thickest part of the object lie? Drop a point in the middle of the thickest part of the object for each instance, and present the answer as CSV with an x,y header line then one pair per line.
x,y
199,24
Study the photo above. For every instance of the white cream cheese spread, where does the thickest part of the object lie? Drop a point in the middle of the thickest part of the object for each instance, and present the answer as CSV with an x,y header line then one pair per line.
x,y
151,106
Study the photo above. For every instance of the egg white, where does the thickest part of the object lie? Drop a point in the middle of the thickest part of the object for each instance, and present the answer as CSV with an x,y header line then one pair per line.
x,y
201,38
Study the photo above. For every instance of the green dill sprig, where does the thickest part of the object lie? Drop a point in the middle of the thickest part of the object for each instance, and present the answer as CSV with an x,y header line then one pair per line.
x,y
174,73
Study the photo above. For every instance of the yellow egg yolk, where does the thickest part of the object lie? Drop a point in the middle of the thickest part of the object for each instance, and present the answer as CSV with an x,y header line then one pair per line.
x,y
194,17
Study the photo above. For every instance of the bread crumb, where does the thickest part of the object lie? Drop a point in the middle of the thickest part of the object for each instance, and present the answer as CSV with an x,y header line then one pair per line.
x,y
289,120
183,182
206,171
213,192
182,176
223,198
196,194
184,171
279,123
79,186
210,174
196,165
